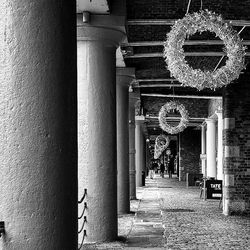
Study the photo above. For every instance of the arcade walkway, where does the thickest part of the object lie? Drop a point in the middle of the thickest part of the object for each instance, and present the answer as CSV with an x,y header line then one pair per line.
x,y
167,215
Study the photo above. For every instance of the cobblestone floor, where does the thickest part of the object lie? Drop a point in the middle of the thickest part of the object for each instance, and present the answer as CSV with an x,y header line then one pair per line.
x,y
167,215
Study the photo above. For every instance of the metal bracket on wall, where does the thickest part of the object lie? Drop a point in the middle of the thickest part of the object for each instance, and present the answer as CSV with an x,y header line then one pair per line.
x,y
2,228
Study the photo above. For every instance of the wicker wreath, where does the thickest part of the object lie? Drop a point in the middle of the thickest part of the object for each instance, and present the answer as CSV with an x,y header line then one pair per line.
x,y
165,109
175,58
161,143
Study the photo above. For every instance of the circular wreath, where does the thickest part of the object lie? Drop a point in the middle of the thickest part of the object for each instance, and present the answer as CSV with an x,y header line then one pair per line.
x,y
200,22
165,109
161,143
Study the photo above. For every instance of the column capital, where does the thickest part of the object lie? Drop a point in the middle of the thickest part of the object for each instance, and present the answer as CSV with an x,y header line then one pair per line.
x,y
139,119
125,71
210,120
125,76
107,35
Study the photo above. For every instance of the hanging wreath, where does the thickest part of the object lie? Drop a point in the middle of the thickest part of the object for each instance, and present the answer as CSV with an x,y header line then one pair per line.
x,y
175,58
161,143
167,108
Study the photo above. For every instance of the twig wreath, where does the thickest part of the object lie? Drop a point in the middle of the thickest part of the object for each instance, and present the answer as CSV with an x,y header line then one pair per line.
x,y
161,143
200,22
165,109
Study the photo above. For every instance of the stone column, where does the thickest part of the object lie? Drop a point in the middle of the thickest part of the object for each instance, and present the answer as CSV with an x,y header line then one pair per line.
x,y
181,167
236,147
123,78
132,171
203,149
143,157
97,128
211,147
38,126
139,152
147,156
220,146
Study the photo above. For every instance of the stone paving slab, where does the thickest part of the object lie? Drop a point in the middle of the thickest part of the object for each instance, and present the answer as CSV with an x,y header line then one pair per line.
x,y
203,228
169,216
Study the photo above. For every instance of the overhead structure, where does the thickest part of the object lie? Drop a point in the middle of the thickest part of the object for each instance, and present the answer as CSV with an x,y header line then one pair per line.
x,y
197,78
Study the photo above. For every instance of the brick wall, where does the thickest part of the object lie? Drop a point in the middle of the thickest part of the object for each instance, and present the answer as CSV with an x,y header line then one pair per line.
x,y
236,140
190,147
195,107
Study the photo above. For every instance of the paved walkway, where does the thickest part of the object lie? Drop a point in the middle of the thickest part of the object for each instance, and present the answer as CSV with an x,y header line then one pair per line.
x,y
167,215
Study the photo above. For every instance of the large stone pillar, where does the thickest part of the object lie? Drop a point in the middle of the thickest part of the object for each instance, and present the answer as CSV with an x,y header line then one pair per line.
x,y
132,170
123,78
97,128
236,147
211,148
38,127
139,152
203,149
220,146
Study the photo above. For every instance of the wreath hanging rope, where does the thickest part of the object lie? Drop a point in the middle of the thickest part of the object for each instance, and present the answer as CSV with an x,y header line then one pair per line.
x,y
200,22
165,109
161,143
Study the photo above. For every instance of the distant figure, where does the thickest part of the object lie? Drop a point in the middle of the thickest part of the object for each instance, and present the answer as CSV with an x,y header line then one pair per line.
x,y
171,166
162,169
152,169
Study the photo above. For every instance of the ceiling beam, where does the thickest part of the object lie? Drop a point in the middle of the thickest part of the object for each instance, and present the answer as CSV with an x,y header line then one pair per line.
x,y
160,54
172,21
154,124
156,80
151,85
198,119
187,42
164,85
183,96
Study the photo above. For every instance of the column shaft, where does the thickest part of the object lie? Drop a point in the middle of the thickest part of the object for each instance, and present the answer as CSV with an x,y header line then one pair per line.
x,y
132,171
123,79
220,147
203,150
138,154
147,157
143,157
38,198
97,161
211,148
